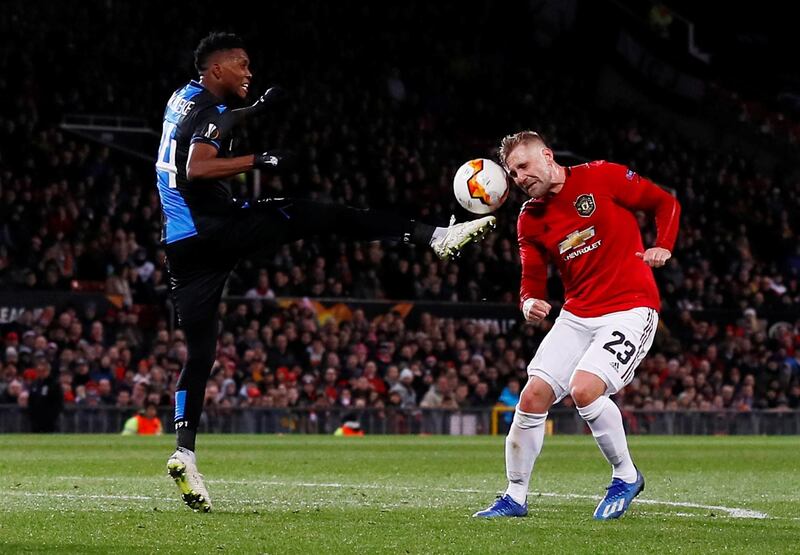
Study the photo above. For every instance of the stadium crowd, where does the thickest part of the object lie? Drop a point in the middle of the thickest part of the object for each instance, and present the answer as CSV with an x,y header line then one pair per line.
x,y
77,216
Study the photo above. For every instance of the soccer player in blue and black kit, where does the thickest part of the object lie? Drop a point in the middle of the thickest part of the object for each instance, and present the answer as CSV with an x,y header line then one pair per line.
x,y
207,231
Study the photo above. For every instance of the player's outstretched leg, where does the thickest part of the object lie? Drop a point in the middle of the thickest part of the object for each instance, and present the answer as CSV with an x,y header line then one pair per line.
x,y
457,236
182,467
618,497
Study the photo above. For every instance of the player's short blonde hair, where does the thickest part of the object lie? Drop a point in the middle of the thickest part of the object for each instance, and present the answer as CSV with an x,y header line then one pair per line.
x,y
510,142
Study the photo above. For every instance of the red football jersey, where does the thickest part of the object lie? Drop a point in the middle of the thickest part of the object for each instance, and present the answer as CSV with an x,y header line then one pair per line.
x,y
589,230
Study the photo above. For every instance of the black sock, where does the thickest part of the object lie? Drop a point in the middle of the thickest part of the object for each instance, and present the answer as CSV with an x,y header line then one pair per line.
x,y
421,234
185,438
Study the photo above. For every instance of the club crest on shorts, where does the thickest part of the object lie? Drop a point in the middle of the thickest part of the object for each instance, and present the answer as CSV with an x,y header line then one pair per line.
x,y
585,205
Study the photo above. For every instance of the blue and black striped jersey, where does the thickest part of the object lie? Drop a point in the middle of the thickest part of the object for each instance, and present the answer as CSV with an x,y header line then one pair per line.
x,y
192,115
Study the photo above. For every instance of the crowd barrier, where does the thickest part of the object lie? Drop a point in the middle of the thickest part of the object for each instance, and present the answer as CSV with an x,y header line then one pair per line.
x,y
474,421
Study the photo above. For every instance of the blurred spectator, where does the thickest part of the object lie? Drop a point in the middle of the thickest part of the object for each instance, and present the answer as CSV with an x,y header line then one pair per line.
x,y
404,389
660,19
145,422
436,394
350,427
262,289
45,400
509,398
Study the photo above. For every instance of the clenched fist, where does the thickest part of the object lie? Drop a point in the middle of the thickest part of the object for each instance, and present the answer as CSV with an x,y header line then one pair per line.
x,y
655,257
535,310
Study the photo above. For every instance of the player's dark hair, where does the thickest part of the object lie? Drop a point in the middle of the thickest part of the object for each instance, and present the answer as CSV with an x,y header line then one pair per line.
x,y
214,42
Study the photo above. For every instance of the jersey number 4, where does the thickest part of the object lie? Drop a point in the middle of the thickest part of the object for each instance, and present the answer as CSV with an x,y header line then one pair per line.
x,y
165,165
622,355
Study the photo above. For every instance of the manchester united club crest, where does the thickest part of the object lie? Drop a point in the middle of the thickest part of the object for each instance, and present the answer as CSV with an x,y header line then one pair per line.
x,y
585,205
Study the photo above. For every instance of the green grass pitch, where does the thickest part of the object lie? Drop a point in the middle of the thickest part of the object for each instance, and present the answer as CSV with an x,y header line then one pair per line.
x,y
320,494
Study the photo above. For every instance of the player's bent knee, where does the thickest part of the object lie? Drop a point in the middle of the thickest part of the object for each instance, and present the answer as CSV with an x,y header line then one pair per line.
x,y
586,388
526,420
583,396
537,397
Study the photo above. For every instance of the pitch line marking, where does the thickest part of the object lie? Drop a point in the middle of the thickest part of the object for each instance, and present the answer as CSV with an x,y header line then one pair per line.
x,y
733,512
85,496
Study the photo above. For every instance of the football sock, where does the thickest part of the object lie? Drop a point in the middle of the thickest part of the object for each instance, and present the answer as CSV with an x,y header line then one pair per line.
x,y
185,439
421,234
190,389
523,445
604,419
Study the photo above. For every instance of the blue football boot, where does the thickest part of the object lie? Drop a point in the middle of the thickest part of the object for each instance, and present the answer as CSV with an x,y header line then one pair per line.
x,y
618,497
503,506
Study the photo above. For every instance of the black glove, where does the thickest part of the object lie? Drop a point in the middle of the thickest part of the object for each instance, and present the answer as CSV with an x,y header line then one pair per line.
x,y
277,160
273,97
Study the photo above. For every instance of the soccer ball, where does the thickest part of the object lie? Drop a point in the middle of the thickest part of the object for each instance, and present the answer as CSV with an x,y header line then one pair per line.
x,y
480,186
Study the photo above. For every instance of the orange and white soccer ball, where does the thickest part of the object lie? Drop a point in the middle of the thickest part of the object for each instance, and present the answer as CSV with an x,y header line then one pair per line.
x,y
480,186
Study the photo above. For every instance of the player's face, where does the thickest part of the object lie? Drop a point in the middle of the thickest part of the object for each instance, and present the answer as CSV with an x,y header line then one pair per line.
x,y
531,167
234,72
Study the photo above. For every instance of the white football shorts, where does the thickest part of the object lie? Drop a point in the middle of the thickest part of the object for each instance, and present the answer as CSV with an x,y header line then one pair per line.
x,y
610,346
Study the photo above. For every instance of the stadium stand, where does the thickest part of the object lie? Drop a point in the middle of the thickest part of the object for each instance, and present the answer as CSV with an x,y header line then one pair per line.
x,y
382,119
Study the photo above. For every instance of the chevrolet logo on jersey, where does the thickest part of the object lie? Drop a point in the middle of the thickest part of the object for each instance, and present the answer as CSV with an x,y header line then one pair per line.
x,y
575,239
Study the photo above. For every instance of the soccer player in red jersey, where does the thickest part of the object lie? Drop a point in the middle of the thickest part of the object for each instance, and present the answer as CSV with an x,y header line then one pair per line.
x,y
582,218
